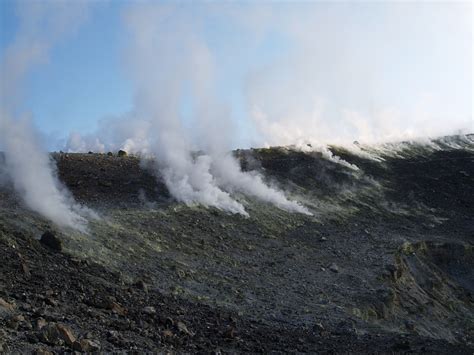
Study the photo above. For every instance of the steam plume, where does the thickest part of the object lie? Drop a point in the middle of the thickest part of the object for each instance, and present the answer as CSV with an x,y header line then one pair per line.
x,y
168,58
338,78
26,164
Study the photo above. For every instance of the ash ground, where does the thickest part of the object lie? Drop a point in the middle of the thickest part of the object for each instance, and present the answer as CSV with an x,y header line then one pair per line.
x,y
385,264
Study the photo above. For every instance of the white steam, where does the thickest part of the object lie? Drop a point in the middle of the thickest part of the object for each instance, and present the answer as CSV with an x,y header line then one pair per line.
x,y
170,59
331,72
371,72
296,73
27,165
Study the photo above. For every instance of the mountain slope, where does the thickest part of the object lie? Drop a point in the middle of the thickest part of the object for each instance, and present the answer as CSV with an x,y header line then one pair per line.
x,y
385,263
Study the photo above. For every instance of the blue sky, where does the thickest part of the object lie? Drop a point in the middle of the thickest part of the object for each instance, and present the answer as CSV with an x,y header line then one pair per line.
x,y
83,80
353,56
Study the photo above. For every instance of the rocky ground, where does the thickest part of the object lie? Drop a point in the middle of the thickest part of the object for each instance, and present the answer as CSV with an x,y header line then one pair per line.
x,y
384,265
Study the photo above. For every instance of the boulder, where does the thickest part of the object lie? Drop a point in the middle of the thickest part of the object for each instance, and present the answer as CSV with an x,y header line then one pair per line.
x,y
50,240
56,334
66,334
6,309
141,285
122,153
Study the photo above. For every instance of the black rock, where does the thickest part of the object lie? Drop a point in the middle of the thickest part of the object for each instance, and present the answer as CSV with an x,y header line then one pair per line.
x,y
334,268
141,285
50,240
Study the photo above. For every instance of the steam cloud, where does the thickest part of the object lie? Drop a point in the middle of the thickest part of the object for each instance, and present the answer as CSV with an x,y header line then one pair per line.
x,y
338,80
347,78
166,60
335,84
26,165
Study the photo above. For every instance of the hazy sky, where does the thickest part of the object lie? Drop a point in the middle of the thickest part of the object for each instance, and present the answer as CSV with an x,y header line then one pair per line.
x,y
328,69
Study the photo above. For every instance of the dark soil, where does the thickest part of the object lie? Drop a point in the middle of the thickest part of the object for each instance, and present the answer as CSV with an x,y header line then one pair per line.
x,y
384,266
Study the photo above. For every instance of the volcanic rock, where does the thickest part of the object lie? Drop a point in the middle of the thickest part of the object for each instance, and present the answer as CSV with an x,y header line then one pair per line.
x,y
86,345
122,153
104,183
183,329
149,310
6,308
117,308
56,334
334,268
141,285
66,334
50,240
40,323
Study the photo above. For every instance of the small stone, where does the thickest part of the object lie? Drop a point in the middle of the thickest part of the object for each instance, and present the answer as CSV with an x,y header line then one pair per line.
x,y
19,318
40,323
66,334
86,345
104,183
50,335
25,268
112,334
334,268
6,308
56,334
118,308
51,301
50,240
183,329
42,351
110,154
122,153
323,239
319,326
12,324
230,333
141,285
167,333
149,310
27,325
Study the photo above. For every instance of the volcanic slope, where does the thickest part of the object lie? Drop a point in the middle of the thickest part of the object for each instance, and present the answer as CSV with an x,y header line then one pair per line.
x,y
385,264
